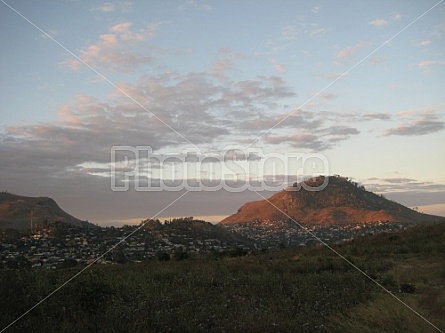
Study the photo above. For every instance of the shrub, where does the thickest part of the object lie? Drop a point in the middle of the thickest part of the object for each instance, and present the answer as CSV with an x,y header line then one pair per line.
x,y
408,288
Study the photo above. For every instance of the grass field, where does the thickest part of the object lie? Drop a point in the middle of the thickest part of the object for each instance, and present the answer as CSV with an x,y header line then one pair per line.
x,y
305,290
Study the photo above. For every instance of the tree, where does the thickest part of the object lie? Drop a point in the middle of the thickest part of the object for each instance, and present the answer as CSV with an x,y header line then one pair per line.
x,y
181,255
163,256
69,263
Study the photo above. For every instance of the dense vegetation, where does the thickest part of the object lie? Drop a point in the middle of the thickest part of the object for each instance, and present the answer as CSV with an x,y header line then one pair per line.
x,y
306,290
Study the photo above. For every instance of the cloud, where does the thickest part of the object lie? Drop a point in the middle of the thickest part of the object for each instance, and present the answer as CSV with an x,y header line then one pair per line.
x,y
379,22
321,130
316,9
318,139
116,50
196,105
376,61
73,153
109,7
327,96
226,62
403,185
106,7
260,89
315,131
333,75
382,22
196,4
398,180
420,127
318,32
292,32
343,131
49,32
302,141
298,119
426,66
425,43
439,29
377,116
396,17
349,52
428,123
280,68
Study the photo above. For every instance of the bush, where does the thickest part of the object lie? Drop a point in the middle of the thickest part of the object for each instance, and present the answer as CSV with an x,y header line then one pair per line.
x,y
163,256
408,288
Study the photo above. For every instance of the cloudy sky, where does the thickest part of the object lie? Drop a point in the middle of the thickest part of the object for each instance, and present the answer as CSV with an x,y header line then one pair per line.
x,y
360,82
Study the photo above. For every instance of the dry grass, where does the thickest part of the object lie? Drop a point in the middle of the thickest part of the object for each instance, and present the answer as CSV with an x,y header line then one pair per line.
x,y
383,315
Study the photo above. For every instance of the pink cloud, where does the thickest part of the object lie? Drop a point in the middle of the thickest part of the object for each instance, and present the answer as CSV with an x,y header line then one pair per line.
x,y
114,50
425,43
425,66
379,22
349,52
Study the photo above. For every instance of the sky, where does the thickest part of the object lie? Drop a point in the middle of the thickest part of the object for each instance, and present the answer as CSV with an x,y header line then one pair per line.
x,y
355,88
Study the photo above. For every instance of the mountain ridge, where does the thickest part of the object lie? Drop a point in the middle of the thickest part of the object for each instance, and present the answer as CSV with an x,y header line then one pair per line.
x,y
17,211
342,201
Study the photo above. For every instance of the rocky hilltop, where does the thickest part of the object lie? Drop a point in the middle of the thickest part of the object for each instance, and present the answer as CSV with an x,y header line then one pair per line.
x,y
16,212
341,202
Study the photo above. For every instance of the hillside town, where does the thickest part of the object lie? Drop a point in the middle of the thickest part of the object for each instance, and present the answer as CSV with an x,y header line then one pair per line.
x,y
62,245
289,233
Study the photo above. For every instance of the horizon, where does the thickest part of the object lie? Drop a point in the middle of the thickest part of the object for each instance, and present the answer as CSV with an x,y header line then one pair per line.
x,y
355,90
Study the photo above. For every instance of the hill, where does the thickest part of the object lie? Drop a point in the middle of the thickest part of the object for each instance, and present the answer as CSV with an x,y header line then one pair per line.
x,y
17,211
341,202
195,233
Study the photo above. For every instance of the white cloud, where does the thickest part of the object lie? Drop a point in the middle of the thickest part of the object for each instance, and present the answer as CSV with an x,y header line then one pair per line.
x,y
425,43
